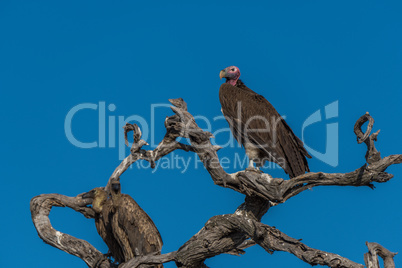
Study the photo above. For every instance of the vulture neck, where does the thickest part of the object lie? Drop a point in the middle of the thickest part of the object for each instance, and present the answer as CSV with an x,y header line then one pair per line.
x,y
233,82
239,84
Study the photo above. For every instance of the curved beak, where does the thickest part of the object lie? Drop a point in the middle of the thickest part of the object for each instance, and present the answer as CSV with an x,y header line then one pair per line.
x,y
90,194
222,74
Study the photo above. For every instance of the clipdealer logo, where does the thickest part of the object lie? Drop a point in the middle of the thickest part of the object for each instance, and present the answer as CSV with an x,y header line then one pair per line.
x,y
109,137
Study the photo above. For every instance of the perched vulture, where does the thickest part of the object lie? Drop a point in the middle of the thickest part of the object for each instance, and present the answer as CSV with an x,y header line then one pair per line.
x,y
103,215
256,124
133,229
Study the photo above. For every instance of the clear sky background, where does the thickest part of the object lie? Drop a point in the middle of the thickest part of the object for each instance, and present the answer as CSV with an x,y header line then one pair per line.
x,y
301,55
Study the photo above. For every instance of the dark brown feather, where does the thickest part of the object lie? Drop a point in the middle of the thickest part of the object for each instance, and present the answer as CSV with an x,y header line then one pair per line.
x,y
103,215
104,228
279,145
134,229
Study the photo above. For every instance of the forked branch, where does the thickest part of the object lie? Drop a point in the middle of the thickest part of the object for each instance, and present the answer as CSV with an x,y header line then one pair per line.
x,y
40,209
225,233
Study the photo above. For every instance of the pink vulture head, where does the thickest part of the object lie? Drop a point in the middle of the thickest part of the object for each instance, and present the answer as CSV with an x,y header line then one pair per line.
x,y
231,73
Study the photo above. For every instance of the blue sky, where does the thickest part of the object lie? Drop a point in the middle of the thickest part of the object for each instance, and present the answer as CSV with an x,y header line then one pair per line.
x,y
301,56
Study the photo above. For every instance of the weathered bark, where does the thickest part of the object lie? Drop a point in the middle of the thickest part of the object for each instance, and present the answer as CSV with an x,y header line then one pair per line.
x,y
150,259
229,233
40,209
278,190
371,258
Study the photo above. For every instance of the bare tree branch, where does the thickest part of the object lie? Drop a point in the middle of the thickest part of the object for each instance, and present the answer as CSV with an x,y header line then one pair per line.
x,y
149,259
372,154
240,249
166,146
40,209
271,239
229,233
371,258
218,236
278,190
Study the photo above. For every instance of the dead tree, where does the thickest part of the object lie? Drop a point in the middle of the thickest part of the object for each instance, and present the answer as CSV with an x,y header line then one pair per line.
x,y
230,233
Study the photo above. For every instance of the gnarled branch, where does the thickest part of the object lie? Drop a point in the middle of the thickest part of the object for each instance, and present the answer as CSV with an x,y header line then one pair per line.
x,y
40,209
225,233
278,190
371,258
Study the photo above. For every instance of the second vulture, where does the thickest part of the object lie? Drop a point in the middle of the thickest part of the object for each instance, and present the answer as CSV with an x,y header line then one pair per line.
x,y
256,124
134,230
103,208
124,226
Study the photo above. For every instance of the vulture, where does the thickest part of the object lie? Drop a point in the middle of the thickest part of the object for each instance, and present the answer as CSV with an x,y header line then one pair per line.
x,y
126,229
259,128
103,214
133,229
